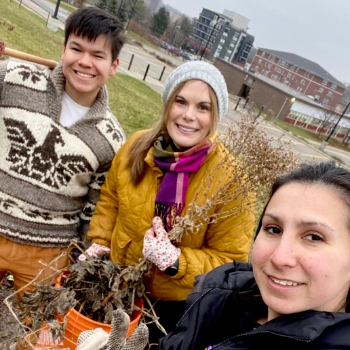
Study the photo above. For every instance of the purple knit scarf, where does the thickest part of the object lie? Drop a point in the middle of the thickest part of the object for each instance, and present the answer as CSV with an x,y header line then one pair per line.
x,y
177,167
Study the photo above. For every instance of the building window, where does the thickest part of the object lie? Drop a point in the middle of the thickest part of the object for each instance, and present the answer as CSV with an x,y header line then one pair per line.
x,y
259,60
275,77
325,101
278,69
330,93
272,58
300,89
266,72
282,63
269,65
334,86
302,81
325,82
307,74
317,97
262,53
256,68
320,89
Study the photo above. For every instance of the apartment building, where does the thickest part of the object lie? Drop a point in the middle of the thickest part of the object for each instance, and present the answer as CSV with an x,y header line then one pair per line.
x,y
222,35
300,74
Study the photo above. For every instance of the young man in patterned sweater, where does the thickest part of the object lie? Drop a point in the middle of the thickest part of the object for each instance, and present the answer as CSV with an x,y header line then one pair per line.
x,y
57,140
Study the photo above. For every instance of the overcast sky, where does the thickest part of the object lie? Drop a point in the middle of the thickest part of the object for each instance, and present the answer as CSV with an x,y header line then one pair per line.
x,y
318,30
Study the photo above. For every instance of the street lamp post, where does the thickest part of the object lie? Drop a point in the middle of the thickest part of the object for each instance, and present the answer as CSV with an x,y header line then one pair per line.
x,y
284,103
211,34
176,31
325,142
56,9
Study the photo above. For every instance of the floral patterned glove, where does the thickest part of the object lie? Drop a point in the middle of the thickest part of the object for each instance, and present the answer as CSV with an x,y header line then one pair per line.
x,y
157,246
95,251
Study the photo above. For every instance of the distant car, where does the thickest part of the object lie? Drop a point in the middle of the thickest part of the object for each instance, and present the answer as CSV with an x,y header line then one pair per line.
x,y
164,45
188,56
174,51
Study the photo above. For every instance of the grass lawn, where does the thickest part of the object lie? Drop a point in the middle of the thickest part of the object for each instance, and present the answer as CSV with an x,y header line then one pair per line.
x,y
135,104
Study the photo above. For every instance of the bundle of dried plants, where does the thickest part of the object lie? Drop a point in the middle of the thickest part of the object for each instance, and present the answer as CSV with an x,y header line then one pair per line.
x,y
263,157
97,287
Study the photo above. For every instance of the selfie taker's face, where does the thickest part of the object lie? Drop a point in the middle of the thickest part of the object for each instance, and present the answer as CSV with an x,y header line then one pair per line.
x,y
87,66
301,256
190,115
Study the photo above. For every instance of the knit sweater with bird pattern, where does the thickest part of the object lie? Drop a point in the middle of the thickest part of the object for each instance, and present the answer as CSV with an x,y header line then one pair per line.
x,y
50,175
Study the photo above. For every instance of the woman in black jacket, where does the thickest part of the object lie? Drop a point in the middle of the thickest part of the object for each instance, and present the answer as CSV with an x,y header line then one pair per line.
x,y
296,291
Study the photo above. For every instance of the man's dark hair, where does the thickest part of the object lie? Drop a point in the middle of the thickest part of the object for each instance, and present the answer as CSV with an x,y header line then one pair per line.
x,y
91,22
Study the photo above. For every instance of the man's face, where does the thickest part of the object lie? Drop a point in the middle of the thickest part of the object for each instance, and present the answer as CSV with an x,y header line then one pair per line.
x,y
87,66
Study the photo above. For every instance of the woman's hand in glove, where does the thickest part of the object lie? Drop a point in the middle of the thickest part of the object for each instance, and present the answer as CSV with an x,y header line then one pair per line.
x,y
95,251
157,246
98,339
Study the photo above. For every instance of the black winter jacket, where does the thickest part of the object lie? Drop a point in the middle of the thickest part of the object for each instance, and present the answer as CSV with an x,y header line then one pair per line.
x,y
222,313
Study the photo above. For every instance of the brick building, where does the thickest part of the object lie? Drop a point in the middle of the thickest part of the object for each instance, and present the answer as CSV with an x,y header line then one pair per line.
x,y
283,102
300,74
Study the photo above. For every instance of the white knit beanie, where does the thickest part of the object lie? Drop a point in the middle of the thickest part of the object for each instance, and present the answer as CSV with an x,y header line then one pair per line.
x,y
199,70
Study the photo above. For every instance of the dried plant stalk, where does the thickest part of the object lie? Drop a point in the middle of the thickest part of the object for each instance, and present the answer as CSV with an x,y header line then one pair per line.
x,y
262,157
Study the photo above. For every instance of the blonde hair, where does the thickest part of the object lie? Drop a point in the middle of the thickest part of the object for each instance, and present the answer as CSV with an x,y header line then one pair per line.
x,y
139,149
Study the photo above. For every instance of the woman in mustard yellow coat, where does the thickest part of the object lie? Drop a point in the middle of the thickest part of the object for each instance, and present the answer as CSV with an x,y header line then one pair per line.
x,y
154,178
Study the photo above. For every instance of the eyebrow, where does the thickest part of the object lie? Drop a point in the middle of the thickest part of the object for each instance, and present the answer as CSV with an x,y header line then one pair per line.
x,y
207,102
303,223
100,52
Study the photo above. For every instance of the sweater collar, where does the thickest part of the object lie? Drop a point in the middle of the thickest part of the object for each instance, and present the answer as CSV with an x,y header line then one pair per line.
x,y
98,109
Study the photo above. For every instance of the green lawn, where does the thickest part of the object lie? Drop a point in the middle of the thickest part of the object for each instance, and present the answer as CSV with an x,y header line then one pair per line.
x,y
135,104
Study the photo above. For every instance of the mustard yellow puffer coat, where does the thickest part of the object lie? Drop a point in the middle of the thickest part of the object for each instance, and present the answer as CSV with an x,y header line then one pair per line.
x,y
124,213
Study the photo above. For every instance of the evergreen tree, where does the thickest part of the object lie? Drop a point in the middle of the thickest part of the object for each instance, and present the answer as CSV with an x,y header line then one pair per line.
x,y
123,13
139,11
160,22
113,7
102,4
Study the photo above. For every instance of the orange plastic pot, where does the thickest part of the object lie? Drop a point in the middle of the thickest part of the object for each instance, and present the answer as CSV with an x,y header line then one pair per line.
x,y
77,323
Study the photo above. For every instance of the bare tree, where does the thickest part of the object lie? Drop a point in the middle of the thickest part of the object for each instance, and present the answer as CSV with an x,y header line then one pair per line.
x,y
327,120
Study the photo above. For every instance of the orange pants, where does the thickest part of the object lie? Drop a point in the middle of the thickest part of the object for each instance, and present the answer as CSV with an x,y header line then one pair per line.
x,y
23,262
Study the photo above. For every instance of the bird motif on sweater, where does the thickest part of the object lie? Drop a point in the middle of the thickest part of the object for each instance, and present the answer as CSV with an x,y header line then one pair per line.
x,y
42,162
